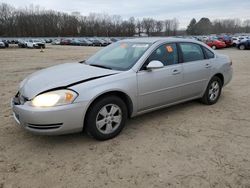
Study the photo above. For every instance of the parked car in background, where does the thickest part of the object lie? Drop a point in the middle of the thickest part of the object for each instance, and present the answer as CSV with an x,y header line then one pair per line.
x,y
6,43
2,45
106,41
35,43
48,40
235,40
96,42
22,43
56,42
216,44
76,42
226,39
65,42
12,41
87,42
125,79
244,44
114,39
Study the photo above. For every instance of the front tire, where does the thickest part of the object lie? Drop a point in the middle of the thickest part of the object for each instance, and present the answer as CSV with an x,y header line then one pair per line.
x,y
214,47
106,118
242,47
213,91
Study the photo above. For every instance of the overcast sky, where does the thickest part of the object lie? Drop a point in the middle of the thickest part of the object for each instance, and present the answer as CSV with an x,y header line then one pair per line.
x,y
183,10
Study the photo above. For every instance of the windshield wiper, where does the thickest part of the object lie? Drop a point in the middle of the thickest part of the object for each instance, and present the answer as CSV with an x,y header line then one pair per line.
x,y
101,66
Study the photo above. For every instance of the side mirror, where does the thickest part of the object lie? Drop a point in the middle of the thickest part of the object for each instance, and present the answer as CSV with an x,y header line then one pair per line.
x,y
155,65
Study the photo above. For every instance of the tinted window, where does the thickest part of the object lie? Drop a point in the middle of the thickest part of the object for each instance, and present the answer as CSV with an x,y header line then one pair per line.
x,y
208,53
167,54
191,52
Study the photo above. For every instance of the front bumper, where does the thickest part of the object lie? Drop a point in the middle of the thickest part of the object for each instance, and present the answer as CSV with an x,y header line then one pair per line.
x,y
50,121
221,46
228,75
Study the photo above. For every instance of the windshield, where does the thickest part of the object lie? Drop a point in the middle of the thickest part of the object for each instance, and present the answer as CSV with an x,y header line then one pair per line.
x,y
118,56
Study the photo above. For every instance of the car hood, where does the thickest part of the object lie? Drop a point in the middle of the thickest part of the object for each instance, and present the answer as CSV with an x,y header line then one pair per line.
x,y
64,75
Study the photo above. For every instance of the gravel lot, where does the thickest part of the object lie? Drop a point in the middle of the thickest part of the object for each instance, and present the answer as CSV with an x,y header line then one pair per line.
x,y
188,145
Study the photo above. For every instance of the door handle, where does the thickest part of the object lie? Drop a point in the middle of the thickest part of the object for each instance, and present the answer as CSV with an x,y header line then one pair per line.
x,y
208,65
175,71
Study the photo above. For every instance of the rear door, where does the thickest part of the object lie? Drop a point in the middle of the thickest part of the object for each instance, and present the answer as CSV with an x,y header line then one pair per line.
x,y
196,69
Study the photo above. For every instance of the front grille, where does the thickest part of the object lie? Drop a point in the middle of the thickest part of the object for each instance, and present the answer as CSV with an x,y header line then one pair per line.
x,y
45,126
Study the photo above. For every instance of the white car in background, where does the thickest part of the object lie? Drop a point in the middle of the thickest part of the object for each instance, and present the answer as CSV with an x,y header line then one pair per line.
x,y
2,45
56,42
237,40
35,43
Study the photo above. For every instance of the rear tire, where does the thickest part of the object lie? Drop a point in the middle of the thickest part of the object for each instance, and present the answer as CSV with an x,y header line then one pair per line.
x,y
213,91
214,47
106,118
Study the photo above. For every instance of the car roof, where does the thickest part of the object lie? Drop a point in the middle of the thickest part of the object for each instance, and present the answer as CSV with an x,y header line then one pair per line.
x,y
158,39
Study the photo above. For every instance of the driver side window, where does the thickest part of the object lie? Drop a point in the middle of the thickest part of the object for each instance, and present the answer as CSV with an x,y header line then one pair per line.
x,y
167,54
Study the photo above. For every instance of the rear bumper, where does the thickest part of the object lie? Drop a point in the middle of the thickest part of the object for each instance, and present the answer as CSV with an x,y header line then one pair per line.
x,y
39,46
50,121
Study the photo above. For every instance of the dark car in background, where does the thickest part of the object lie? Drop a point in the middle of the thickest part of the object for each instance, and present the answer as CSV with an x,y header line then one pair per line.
x,y
22,43
6,43
65,42
76,42
99,42
244,44
96,42
48,40
114,39
86,42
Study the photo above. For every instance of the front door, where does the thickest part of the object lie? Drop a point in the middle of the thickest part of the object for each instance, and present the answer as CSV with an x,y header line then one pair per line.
x,y
160,86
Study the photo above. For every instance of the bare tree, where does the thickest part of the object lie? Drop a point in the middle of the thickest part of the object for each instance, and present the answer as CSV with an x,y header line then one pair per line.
x,y
148,25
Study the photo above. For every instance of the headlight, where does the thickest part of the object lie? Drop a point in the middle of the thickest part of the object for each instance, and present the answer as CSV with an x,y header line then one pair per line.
x,y
54,98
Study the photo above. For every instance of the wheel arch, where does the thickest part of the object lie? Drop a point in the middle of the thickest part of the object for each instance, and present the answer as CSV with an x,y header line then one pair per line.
x,y
220,76
122,95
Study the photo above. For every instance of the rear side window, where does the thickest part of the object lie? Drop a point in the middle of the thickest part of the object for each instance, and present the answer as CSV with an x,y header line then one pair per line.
x,y
208,53
191,52
167,54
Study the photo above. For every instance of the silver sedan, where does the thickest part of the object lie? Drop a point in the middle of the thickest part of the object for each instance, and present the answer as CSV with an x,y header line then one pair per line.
x,y
123,80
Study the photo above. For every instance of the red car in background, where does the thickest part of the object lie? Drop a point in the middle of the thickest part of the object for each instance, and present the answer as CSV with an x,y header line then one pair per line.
x,y
216,44
228,40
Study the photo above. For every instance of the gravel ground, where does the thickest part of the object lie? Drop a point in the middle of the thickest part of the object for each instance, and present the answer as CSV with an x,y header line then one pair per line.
x,y
188,145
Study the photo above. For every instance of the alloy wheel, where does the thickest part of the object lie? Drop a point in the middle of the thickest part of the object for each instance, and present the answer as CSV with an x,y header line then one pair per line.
x,y
109,118
214,90
242,47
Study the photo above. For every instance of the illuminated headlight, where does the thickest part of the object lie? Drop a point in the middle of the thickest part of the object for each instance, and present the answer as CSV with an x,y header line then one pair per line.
x,y
54,98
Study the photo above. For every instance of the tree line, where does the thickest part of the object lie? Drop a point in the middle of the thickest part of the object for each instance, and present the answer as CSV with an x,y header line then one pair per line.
x,y
34,22
204,26
37,22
